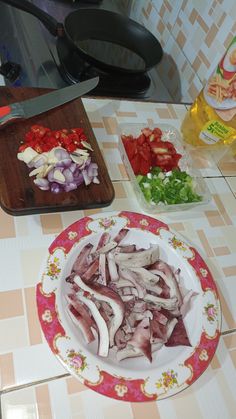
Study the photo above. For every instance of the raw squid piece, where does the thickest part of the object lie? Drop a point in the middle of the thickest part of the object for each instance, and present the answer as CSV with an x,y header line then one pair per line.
x,y
129,297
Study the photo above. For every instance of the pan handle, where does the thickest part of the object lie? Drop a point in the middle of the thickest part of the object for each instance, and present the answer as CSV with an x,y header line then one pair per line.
x,y
48,21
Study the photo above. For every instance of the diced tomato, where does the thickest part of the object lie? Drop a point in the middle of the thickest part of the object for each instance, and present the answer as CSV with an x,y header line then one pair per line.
x,y
136,163
78,131
23,147
43,139
73,136
66,141
127,138
46,147
154,135
57,134
170,146
29,136
141,139
176,159
71,147
82,137
130,147
146,155
157,132
145,152
162,159
166,162
144,167
162,147
147,132
158,148
138,152
63,136
52,141
38,148
39,130
149,150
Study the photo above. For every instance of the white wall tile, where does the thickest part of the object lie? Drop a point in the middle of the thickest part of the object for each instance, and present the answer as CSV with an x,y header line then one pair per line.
x,y
178,15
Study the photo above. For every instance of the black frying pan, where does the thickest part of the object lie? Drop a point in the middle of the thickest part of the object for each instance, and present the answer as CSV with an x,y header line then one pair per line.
x,y
100,37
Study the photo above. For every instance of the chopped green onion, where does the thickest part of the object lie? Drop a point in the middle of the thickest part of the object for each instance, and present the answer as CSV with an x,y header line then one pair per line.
x,y
174,187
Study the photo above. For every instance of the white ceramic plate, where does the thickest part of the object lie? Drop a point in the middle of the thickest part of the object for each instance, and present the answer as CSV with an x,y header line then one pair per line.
x,y
134,379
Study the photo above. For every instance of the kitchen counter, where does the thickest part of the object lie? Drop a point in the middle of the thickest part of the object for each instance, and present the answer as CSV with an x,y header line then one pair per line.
x,y
33,383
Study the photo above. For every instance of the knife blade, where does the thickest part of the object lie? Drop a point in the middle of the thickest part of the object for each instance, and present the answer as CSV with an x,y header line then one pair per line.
x,y
43,103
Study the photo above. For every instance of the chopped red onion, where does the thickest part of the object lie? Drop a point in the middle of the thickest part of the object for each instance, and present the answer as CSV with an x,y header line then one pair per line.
x,y
96,180
73,167
52,178
79,179
51,175
92,169
65,174
56,188
68,175
87,179
63,163
61,154
70,186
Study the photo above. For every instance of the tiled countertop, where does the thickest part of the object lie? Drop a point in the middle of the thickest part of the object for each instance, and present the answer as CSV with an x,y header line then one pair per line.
x,y
33,383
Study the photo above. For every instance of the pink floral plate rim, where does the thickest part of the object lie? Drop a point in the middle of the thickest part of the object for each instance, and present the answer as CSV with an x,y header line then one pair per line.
x,y
155,382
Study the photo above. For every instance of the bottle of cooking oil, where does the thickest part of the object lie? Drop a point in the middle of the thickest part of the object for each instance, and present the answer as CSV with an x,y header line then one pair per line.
x,y
211,120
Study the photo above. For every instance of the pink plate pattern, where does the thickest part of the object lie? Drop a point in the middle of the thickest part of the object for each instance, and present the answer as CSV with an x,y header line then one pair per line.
x,y
123,383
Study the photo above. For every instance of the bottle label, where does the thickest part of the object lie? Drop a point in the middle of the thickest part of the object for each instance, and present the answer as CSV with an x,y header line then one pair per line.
x,y
214,131
220,90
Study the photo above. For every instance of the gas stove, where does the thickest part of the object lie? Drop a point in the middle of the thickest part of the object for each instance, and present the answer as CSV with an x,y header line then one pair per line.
x,y
31,56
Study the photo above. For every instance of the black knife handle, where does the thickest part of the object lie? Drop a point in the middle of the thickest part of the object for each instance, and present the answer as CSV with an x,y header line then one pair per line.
x,y
10,113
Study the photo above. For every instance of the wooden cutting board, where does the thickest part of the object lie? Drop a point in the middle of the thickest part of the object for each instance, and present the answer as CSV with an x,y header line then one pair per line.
x,y
18,193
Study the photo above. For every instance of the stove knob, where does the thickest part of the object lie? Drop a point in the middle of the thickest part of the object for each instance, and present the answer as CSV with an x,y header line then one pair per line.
x,y
11,71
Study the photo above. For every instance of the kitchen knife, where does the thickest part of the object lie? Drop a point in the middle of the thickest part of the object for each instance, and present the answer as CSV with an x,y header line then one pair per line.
x,y
43,103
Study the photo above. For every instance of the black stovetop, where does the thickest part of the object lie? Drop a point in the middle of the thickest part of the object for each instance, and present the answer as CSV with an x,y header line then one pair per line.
x,y
74,69
46,62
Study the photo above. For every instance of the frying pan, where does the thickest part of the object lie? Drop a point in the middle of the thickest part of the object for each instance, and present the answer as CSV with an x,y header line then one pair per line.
x,y
85,29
